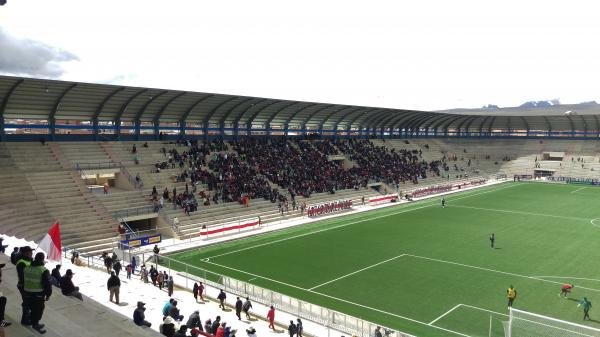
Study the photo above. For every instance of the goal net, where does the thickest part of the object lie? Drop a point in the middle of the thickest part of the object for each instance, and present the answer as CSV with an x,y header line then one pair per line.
x,y
525,324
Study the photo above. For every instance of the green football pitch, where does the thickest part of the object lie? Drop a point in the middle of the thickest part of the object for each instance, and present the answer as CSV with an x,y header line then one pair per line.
x,y
430,271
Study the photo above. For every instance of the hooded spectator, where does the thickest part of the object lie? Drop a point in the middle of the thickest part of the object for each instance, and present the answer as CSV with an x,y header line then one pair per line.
x,y
194,320
139,318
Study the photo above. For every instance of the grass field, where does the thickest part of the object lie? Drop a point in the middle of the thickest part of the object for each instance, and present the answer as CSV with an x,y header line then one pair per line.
x,y
430,271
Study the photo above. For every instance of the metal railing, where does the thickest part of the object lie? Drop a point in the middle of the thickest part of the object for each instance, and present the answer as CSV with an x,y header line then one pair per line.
x,y
137,184
96,165
124,213
329,318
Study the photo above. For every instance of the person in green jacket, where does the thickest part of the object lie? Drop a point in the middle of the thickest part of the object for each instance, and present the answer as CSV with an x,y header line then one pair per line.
x,y
587,305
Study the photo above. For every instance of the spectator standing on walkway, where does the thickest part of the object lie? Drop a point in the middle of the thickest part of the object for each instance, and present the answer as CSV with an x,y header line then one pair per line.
x,y
133,264
271,318
195,291
113,284
246,307
170,286
238,308
129,269
160,280
117,267
292,329
222,296
139,318
38,289
299,327
201,291
156,250
67,287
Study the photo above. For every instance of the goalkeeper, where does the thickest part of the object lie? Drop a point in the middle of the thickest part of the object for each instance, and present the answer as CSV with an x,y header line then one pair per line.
x,y
565,290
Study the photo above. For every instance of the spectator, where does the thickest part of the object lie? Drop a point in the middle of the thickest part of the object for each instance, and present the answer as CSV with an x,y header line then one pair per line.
x,y
195,291
14,256
182,331
201,291
160,280
221,297
167,328
113,284
139,318
170,286
292,329
2,247
194,321
3,323
117,267
156,250
215,325
144,274
271,318
165,309
247,306
251,331
208,326
238,308
129,269
174,312
55,276
133,264
378,332
221,330
299,327
67,287
37,289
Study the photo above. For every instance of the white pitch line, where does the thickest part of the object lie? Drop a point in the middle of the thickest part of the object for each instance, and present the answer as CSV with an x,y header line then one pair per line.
x,y
570,277
482,309
356,272
522,212
358,221
444,314
342,300
495,271
579,189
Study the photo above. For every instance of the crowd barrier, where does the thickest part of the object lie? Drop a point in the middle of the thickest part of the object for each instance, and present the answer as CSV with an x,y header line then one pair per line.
x,y
328,207
382,199
227,228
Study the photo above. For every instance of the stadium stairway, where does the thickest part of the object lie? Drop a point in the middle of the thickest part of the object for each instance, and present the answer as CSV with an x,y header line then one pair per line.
x,y
67,316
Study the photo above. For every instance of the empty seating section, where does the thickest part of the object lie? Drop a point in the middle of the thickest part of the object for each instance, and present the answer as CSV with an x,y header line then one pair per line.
x,y
40,183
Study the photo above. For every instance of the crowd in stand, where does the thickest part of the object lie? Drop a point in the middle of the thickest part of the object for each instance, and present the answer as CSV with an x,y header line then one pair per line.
x,y
295,165
391,166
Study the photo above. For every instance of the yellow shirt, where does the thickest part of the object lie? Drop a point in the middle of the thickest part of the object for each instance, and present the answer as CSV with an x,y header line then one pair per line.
x,y
512,292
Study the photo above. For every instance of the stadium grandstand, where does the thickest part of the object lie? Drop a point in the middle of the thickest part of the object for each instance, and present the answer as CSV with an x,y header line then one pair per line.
x,y
315,209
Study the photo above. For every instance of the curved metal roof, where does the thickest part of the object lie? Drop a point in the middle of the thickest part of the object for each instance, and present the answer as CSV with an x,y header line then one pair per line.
x,y
45,99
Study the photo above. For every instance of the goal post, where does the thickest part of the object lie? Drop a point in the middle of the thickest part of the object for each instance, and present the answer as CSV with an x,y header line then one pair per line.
x,y
526,324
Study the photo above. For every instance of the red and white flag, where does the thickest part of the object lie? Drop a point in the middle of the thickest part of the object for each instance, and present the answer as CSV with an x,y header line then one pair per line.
x,y
51,244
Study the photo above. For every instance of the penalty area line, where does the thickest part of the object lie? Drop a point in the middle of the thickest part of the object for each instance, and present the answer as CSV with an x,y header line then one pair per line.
x,y
343,300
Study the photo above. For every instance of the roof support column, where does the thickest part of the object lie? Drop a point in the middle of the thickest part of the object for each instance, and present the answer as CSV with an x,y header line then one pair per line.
x,y
205,126
1,128
137,125
117,128
52,127
181,129
95,130
156,126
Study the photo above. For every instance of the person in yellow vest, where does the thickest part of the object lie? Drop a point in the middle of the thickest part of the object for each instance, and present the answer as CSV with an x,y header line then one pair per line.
x,y
512,294
38,289
23,260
